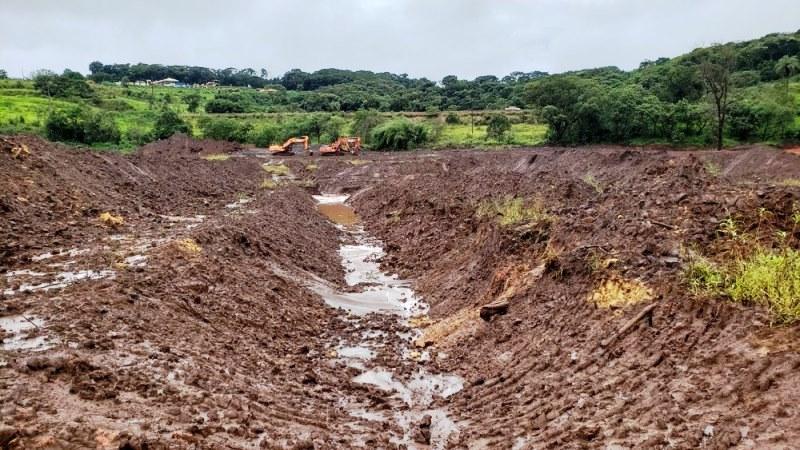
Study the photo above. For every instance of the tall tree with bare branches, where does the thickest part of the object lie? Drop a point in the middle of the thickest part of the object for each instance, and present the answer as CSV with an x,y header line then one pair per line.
x,y
715,70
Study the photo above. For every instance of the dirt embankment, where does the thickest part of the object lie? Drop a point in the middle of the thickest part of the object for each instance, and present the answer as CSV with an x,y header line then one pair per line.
x,y
558,371
184,326
182,320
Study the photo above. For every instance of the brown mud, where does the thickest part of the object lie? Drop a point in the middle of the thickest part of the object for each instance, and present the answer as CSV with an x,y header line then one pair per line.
x,y
207,311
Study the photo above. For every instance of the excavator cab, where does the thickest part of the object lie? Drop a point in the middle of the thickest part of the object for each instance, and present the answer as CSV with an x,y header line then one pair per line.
x,y
288,147
345,144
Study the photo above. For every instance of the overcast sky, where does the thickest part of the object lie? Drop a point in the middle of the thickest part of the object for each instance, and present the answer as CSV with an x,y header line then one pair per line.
x,y
430,38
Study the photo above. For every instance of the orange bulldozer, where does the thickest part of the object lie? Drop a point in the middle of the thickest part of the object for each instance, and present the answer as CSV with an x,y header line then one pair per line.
x,y
346,144
288,147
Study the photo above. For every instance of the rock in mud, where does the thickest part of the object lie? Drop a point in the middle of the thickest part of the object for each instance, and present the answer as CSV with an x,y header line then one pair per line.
x,y
422,434
7,434
497,308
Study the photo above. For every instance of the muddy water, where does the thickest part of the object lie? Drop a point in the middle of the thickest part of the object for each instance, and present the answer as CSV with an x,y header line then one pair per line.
x,y
385,294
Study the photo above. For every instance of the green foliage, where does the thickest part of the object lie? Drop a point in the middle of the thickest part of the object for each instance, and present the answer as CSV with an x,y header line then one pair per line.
x,y
452,119
225,129
3,74
168,123
497,127
364,122
265,135
224,106
704,277
513,210
771,279
67,85
399,134
192,102
76,125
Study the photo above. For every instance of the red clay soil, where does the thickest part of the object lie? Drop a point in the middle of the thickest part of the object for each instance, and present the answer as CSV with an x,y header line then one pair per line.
x,y
195,328
556,371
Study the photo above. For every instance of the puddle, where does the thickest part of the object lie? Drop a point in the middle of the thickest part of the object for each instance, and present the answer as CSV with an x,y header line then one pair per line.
x,y
63,279
385,294
18,330
356,352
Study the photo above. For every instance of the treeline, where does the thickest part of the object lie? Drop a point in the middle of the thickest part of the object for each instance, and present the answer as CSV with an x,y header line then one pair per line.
x,y
186,74
702,97
736,91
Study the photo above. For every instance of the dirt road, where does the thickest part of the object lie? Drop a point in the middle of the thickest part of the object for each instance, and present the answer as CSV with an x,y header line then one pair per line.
x,y
190,296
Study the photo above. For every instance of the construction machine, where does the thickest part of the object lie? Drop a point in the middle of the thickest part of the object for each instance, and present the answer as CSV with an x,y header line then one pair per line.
x,y
345,144
288,147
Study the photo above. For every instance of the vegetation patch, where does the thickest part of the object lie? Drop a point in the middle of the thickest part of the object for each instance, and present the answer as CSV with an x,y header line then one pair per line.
x,y
771,279
269,184
189,246
514,210
357,162
791,182
110,220
593,182
312,167
703,276
619,293
217,157
280,170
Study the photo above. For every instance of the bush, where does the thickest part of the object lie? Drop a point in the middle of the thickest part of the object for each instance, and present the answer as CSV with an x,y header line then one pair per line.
x,y
497,126
168,123
226,129
452,119
265,135
65,126
76,125
399,134
100,127
137,136
223,106
68,85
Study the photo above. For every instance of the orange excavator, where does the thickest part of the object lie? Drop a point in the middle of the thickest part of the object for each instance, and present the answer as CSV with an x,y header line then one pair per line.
x,y
345,144
288,147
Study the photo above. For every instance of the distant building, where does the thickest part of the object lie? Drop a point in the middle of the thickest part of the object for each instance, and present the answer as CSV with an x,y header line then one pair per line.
x,y
167,82
513,109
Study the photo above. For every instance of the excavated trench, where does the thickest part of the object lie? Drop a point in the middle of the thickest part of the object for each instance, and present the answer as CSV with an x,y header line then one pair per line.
x,y
376,292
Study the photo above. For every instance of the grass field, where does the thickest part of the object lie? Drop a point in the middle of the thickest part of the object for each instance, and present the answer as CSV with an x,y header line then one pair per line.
x,y
134,110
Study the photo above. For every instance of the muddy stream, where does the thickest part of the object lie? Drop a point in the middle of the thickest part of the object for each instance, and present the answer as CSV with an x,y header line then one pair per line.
x,y
412,397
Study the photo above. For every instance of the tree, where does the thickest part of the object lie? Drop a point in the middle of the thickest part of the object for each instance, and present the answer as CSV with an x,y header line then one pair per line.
x,y
497,127
192,101
168,123
3,74
787,67
364,122
715,70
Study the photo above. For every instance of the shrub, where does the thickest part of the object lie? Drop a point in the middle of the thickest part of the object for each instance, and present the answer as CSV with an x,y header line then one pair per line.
x,y
364,122
137,136
225,129
76,125
497,126
65,126
399,134
168,123
265,135
223,105
99,127
452,119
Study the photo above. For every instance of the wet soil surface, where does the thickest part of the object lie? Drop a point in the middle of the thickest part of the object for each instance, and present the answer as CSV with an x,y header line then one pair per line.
x,y
363,303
